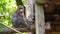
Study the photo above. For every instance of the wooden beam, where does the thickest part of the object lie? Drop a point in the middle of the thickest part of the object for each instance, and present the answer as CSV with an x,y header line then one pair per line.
x,y
52,2
40,1
7,30
13,30
39,16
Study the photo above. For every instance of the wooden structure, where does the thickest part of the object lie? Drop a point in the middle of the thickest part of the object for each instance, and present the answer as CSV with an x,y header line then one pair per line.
x,y
52,15
39,23
29,9
45,12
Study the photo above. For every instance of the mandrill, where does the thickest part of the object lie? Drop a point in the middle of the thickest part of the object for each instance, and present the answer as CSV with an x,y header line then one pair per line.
x,y
19,20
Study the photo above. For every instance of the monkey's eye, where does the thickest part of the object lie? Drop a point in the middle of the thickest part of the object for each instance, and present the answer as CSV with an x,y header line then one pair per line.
x,y
20,8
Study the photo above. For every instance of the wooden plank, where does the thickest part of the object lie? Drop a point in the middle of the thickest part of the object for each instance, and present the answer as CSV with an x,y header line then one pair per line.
x,y
39,16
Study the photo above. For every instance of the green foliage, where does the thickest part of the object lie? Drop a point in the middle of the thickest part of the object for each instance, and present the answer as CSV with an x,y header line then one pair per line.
x,y
7,8
24,2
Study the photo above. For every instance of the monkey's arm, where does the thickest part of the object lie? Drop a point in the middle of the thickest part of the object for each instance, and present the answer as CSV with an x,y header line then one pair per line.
x,y
28,23
14,20
25,20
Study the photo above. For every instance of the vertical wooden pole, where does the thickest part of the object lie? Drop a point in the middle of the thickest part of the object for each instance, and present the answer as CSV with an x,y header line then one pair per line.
x,y
39,16
29,9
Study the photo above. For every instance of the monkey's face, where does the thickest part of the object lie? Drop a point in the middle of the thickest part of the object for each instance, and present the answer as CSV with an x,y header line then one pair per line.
x,y
21,9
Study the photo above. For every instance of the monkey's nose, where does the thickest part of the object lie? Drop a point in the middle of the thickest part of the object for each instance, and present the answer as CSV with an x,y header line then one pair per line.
x,y
21,10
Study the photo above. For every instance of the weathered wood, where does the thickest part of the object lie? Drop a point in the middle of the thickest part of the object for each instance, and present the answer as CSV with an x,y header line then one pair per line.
x,y
29,9
12,29
53,2
39,16
40,1
7,30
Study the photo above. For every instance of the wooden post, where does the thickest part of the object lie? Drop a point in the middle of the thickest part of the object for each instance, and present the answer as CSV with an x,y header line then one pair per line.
x,y
39,16
29,9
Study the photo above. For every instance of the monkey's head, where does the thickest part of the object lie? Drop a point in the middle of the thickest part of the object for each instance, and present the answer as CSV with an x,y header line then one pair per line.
x,y
21,8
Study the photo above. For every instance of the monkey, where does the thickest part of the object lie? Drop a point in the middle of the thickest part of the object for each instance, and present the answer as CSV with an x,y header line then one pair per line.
x,y
19,19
